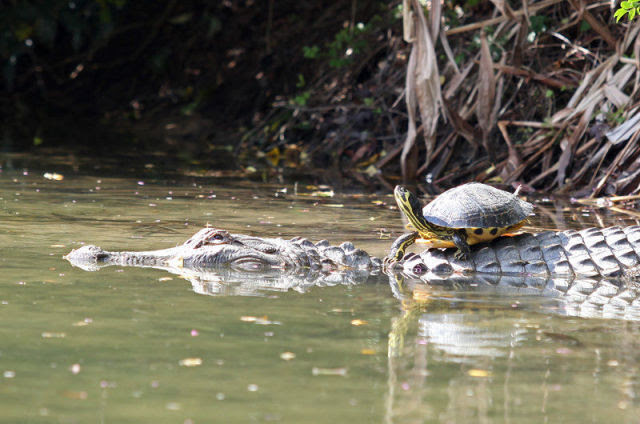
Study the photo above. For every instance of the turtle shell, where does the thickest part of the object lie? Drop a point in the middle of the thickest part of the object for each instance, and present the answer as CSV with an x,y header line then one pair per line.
x,y
476,205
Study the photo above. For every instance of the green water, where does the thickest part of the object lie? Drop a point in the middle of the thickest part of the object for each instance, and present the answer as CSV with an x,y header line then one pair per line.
x,y
127,345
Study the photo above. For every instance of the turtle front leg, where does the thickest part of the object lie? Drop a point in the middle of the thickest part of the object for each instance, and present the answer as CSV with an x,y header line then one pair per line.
x,y
398,248
460,240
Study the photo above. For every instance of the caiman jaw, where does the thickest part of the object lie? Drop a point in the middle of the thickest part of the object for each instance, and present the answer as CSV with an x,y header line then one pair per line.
x,y
236,257
254,264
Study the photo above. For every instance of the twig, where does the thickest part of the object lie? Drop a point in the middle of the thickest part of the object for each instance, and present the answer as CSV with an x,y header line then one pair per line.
x,y
595,24
530,9
535,76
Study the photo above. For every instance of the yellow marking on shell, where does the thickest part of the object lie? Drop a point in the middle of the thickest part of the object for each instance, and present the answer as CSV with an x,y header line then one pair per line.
x,y
473,238
435,243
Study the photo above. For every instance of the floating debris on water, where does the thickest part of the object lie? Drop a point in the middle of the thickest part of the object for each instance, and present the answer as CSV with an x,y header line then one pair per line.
x,y
259,320
48,335
478,373
75,395
83,323
342,372
340,310
358,322
190,362
287,356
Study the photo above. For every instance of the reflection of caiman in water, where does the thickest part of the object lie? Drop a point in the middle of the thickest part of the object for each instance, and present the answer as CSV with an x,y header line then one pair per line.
x,y
496,366
592,268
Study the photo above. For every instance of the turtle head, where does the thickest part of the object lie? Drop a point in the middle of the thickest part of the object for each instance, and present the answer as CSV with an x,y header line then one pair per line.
x,y
411,208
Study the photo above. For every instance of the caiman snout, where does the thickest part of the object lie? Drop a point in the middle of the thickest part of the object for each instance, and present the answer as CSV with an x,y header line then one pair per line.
x,y
86,257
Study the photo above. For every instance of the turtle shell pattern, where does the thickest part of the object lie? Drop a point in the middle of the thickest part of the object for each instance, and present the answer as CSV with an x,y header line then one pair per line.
x,y
476,205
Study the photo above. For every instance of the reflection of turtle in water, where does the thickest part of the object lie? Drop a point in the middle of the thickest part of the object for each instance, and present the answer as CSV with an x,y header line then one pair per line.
x,y
465,215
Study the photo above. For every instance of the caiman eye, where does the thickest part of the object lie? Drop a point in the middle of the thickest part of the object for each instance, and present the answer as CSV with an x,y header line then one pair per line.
x,y
218,237
419,269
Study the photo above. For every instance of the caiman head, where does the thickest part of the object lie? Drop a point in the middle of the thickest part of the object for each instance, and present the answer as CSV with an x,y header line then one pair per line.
x,y
209,248
432,264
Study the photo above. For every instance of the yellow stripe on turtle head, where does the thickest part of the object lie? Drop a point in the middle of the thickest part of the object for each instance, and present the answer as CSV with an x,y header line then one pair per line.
x,y
410,206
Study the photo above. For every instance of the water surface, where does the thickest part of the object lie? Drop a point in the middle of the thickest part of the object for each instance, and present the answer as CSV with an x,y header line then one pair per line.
x,y
140,345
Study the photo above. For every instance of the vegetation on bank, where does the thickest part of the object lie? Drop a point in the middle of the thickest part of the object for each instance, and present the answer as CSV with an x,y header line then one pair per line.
x,y
543,94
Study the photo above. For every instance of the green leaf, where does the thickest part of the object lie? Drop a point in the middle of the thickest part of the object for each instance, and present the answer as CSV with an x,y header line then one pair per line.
x,y
626,5
310,52
619,14
632,14
584,26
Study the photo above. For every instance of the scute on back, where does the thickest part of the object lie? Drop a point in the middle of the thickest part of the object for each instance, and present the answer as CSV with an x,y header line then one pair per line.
x,y
476,205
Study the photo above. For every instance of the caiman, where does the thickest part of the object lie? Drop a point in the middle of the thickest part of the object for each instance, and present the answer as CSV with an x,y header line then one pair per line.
x,y
596,266
593,252
217,262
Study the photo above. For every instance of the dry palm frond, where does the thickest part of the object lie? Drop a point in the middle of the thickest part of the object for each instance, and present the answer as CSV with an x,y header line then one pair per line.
x,y
486,94
422,86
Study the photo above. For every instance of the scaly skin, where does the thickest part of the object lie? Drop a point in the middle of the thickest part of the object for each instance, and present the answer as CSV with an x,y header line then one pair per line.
x,y
593,252
608,252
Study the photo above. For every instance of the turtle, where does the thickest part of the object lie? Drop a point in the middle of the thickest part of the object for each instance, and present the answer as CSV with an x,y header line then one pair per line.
x,y
462,216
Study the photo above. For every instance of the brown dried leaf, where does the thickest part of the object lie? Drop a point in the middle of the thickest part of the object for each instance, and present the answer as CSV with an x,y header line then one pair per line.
x,y
448,52
427,81
486,91
616,96
563,162
408,28
457,80
408,162
592,81
435,13
513,160
422,88
568,146
462,127
625,130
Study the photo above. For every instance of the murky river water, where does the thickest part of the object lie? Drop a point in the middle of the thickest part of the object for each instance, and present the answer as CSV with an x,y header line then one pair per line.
x,y
140,345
